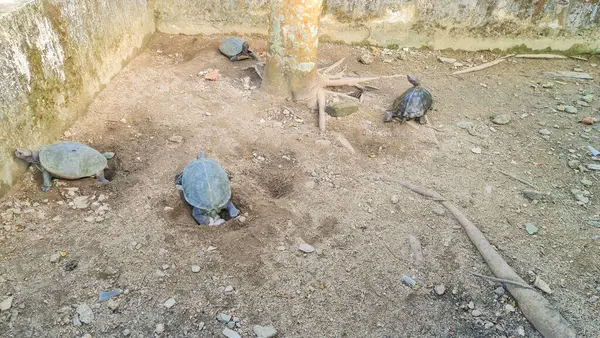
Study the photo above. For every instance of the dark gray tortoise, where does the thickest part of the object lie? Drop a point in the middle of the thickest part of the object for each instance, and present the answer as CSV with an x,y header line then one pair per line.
x,y
233,48
66,160
414,103
204,185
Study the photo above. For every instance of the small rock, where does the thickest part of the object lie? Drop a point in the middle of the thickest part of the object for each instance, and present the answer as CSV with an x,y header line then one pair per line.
x,y
531,229
501,119
236,319
574,164
588,98
548,85
89,219
440,289
306,248
228,290
476,313
201,326
500,291
476,150
67,134
540,284
594,299
241,219
342,108
229,333
126,333
544,132
488,325
560,108
86,315
102,198
586,182
81,202
113,304
509,308
211,248
582,103
464,124
212,76
6,304
446,60
588,120
471,305
407,280
577,69
533,195
231,325
592,166
571,110
176,139
223,318
579,196
75,321
246,83
264,331
160,328
457,64
170,303
521,331
195,268
395,199
438,210
323,143
109,294
367,58
54,258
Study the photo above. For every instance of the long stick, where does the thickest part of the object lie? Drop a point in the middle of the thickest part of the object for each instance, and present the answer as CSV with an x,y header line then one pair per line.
x,y
480,67
540,56
506,281
518,179
547,320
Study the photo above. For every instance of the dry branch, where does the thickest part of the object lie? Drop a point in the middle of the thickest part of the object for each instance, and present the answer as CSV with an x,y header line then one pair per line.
x,y
480,67
540,56
547,320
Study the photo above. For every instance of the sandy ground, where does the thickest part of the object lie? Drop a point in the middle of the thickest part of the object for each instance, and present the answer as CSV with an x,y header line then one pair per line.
x,y
296,186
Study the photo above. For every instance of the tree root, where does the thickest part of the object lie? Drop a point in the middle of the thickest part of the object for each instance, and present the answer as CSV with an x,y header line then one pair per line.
x,y
547,320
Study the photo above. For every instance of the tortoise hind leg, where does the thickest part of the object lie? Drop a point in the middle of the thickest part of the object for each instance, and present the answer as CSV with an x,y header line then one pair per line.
x,y
100,177
234,58
388,116
232,210
200,218
422,120
47,181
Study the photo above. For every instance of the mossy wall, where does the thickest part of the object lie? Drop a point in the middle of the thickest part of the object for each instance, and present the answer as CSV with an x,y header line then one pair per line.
x,y
439,24
55,56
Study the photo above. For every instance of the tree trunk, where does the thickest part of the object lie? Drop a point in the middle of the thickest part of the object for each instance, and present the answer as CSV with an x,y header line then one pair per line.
x,y
291,66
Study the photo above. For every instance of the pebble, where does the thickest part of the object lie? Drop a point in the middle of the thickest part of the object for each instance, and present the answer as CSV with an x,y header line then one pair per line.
x,y
531,229
540,284
544,132
81,202
89,219
306,248
160,328
588,98
176,139
6,304
499,291
488,325
195,268
246,83
367,58
212,76
521,331
86,315
126,333
54,258
113,305
264,331
501,119
570,109
228,289
583,103
476,150
476,313
76,321
229,333
223,318
509,308
395,199
471,305
533,195
574,164
406,280
579,196
464,124
211,248
323,143
201,326
438,210
446,60
586,182
109,294
592,166
588,120
231,325
242,219
341,109
440,289
170,303
548,85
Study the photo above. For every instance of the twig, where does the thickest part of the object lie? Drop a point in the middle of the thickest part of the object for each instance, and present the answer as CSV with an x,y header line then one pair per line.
x,y
327,69
540,56
545,318
506,281
480,67
578,58
518,179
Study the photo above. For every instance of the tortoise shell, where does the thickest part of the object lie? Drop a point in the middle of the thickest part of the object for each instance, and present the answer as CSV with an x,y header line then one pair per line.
x,y
71,160
205,184
414,102
232,46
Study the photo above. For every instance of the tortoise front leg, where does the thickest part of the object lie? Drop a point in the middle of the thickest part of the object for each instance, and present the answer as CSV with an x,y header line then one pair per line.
x,y
232,210
252,55
388,116
234,58
47,180
100,177
200,218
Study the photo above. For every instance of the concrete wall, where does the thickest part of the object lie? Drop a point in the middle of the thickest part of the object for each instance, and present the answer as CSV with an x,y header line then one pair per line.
x,y
55,56
440,24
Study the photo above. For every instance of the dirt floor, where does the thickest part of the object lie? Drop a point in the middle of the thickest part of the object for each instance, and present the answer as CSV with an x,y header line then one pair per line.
x,y
296,186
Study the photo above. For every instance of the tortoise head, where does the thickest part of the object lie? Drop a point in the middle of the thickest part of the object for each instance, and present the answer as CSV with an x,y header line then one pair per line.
x,y
27,156
245,47
414,80
200,156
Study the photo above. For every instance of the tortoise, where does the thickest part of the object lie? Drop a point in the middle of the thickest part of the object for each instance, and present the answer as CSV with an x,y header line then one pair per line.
x,y
414,103
66,160
233,48
204,185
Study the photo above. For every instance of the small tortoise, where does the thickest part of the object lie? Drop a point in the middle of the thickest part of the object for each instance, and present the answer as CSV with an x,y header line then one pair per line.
x,y
233,48
66,160
204,185
414,103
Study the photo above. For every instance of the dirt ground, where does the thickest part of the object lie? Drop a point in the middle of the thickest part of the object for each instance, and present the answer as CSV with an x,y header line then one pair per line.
x,y
296,186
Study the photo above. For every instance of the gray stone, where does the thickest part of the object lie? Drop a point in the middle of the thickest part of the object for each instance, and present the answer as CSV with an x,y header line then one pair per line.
x,y
201,326
342,108
54,258
500,291
126,333
395,199
574,164
160,328
586,182
170,303
501,119
571,110
223,318
583,103
588,98
76,321
446,60
471,305
229,333
86,315
231,325
509,308
367,58
81,202
544,132
195,268
533,195
6,304
438,210
488,325
476,313
464,124
306,248
228,289
440,289
264,331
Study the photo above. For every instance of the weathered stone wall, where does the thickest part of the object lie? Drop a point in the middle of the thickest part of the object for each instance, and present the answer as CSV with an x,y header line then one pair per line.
x,y
440,24
55,56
